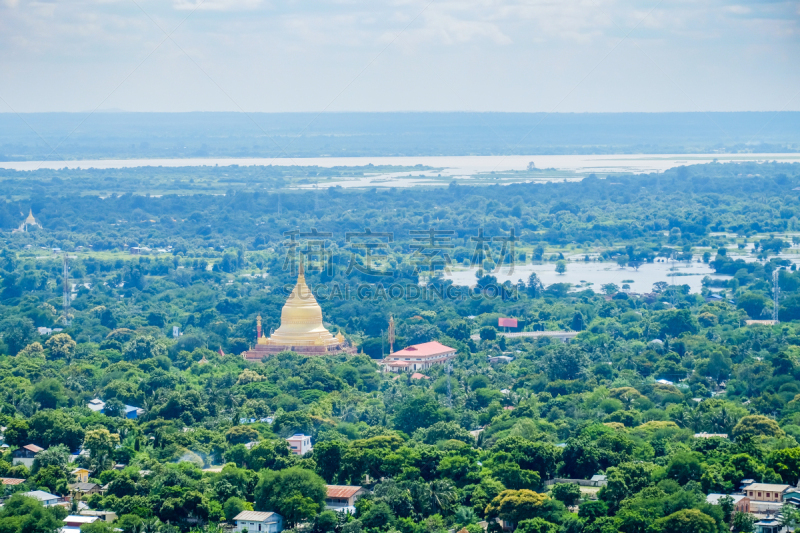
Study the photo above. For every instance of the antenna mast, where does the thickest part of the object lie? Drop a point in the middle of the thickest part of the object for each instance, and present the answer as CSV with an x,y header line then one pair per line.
x,y
776,290
391,334
66,288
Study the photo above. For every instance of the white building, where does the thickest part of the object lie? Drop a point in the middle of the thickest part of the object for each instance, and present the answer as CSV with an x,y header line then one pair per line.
x,y
256,521
418,357
300,444
73,523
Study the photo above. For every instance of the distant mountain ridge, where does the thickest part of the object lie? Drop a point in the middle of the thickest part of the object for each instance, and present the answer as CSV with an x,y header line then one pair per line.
x,y
124,135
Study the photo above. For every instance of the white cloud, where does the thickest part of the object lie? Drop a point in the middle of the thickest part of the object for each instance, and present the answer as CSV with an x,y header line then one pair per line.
x,y
738,10
306,47
216,5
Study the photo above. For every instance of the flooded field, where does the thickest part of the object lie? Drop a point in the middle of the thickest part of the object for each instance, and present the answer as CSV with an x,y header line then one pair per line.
x,y
593,275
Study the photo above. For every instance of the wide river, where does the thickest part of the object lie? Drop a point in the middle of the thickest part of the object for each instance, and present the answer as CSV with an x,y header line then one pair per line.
x,y
451,165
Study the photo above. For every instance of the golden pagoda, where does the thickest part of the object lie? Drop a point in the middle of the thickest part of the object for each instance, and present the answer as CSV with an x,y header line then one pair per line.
x,y
301,328
29,221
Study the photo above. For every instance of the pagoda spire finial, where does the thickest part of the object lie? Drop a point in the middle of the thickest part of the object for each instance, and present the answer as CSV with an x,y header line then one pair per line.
x,y
300,273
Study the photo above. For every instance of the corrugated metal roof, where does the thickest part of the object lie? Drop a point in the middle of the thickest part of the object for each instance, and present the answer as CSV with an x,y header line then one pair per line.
x,y
255,516
84,487
40,495
342,491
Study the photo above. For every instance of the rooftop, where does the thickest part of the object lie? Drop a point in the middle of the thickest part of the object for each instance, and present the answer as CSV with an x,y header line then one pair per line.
x,y
715,498
770,487
255,516
11,481
342,491
83,487
77,519
424,349
33,448
40,495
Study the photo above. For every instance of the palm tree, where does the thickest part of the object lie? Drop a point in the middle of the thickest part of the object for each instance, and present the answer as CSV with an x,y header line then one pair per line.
x,y
722,421
443,495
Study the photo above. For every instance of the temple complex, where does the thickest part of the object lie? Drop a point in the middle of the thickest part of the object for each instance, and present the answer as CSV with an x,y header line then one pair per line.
x,y
301,328
28,222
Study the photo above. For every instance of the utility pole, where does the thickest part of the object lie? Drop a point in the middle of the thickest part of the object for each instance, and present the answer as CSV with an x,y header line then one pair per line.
x,y
672,279
776,290
66,291
449,392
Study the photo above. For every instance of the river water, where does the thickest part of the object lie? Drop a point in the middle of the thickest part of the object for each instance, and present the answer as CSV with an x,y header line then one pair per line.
x,y
450,165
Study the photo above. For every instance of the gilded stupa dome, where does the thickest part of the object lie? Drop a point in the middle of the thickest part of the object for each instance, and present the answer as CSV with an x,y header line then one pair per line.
x,y
301,319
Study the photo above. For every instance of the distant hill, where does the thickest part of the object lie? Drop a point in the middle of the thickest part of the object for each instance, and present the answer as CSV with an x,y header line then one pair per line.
x,y
113,135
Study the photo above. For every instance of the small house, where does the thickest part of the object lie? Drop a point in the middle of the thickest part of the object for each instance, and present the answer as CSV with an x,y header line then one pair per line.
x,y
257,521
97,405
741,503
299,444
81,475
46,498
343,497
74,522
769,524
28,451
599,480
105,516
80,490
133,412
25,455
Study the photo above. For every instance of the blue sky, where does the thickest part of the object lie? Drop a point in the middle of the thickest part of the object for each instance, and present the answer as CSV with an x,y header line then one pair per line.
x,y
404,55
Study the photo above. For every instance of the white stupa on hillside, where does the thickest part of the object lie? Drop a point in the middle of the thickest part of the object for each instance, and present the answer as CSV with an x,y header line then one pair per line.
x,y
30,221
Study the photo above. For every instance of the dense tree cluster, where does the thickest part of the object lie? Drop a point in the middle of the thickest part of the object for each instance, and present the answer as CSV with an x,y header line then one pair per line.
x,y
482,441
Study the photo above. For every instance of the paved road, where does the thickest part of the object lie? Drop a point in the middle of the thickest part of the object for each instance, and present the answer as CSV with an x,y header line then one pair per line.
x,y
564,335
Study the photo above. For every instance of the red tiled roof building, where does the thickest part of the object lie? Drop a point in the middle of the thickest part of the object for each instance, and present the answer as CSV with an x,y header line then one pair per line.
x,y
418,356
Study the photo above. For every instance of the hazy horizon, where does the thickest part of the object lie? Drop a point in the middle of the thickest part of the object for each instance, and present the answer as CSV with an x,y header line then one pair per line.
x,y
67,136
